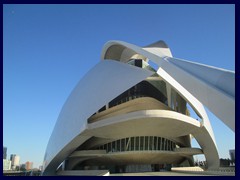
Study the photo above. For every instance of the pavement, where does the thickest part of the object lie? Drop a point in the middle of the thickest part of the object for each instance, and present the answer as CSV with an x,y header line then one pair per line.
x,y
165,173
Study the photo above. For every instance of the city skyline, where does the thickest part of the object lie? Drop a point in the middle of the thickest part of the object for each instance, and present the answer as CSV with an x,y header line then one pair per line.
x,y
14,164
45,55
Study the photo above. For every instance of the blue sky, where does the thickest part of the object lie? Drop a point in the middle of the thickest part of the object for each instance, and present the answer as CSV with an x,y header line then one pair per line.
x,y
47,49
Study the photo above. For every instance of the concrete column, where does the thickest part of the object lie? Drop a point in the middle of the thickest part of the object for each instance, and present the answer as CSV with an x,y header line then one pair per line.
x,y
168,94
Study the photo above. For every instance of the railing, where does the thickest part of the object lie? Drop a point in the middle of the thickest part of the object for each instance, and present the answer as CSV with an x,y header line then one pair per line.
x,y
21,173
128,98
139,143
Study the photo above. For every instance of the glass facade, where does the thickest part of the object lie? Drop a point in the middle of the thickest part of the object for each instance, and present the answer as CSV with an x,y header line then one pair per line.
x,y
155,89
142,89
139,143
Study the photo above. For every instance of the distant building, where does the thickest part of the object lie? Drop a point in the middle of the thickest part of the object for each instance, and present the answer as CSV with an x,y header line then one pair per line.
x,y
225,162
4,152
6,164
29,165
232,154
40,168
15,161
23,167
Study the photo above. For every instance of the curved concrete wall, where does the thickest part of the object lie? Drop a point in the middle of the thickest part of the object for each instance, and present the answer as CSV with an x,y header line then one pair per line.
x,y
108,79
90,94
214,87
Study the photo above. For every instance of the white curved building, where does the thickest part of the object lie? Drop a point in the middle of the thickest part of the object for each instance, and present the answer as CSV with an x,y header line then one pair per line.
x,y
126,116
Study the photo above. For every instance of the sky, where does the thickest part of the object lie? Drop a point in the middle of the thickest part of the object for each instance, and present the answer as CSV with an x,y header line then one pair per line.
x,y
47,49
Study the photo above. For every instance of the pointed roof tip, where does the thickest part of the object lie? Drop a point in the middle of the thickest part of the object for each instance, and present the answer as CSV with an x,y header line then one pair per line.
x,y
159,44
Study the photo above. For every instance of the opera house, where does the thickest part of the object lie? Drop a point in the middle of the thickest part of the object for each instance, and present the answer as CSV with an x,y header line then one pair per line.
x,y
131,113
